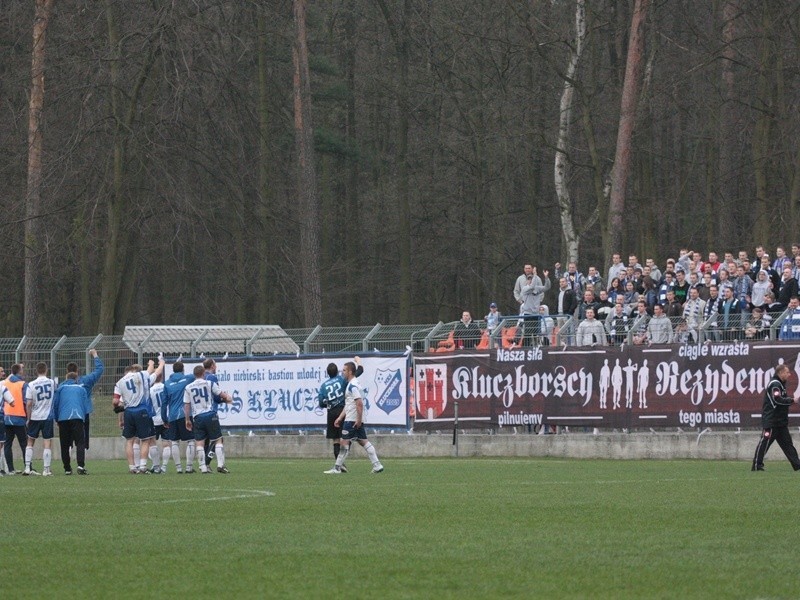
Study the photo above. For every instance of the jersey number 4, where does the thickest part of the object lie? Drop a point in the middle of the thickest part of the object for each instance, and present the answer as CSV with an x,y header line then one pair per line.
x,y
131,385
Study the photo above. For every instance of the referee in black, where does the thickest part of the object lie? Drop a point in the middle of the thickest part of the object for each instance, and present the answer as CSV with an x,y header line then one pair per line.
x,y
775,420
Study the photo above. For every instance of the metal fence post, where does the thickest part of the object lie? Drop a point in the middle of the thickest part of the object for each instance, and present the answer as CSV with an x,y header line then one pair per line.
x,y
310,338
53,352
455,426
370,335
18,351
140,349
432,334
195,343
248,346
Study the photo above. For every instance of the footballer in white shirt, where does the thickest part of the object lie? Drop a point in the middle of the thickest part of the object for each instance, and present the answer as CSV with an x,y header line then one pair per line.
x,y
39,399
133,393
202,418
353,418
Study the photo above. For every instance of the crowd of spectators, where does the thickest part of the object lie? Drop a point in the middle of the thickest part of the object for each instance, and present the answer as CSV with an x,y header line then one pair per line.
x,y
726,298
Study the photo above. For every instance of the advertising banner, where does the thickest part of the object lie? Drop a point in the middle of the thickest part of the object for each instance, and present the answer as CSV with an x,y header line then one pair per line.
x,y
282,392
708,385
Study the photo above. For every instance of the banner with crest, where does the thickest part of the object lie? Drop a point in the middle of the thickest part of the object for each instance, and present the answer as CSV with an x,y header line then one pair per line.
x,y
709,385
282,391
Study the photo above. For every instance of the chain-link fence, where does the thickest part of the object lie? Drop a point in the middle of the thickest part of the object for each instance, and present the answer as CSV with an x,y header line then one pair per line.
x,y
117,352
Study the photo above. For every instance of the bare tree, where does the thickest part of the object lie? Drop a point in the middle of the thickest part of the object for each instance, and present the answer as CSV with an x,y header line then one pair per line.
x,y
571,235
306,176
398,29
35,245
724,204
627,119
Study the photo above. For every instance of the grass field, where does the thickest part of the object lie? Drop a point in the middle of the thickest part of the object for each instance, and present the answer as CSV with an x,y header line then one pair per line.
x,y
426,528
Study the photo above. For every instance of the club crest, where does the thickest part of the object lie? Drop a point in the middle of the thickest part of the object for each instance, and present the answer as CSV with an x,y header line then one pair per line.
x,y
431,396
387,384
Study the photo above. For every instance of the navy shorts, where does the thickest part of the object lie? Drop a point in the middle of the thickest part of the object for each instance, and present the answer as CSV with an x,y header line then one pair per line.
x,y
177,432
349,432
333,432
159,431
206,426
2,430
43,427
138,423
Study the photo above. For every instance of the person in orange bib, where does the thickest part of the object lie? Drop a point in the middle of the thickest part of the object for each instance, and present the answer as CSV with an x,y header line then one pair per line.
x,y
16,415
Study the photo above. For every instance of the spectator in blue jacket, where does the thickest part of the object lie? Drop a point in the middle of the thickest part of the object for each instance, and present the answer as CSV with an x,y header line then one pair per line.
x,y
790,328
70,407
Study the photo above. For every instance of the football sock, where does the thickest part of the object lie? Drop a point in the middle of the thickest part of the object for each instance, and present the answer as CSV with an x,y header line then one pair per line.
x,y
373,456
336,448
47,455
142,464
155,456
3,465
220,453
28,456
176,454
137,453
342,456
190,449
166,452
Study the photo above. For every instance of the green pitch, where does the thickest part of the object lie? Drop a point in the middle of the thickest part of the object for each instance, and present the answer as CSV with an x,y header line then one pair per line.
x,y
438,528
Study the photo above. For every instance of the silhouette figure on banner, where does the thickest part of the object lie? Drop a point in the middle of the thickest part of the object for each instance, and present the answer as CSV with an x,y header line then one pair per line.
x,y
605,379
629,370
616,383
642,379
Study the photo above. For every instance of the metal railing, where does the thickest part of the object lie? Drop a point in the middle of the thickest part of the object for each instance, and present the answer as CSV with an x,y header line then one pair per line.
x,y
512,331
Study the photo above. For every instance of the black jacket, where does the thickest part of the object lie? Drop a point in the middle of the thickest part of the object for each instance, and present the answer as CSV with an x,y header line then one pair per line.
x,y
787,289
570,302
467,336
775,412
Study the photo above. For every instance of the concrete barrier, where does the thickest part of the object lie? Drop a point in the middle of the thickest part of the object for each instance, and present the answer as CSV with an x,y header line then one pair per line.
x,y
665,446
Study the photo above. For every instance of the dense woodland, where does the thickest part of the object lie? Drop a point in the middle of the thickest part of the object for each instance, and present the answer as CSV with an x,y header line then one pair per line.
x,y
173,177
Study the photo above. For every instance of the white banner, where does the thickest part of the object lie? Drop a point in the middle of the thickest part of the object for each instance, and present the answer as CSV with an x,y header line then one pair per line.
x,y
282,392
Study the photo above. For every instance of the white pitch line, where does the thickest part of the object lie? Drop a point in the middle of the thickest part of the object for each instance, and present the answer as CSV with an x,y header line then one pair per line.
x,y
543,482
248,494
245,494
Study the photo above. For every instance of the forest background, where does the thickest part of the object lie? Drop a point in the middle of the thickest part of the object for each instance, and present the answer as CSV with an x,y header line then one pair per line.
x,y
348,162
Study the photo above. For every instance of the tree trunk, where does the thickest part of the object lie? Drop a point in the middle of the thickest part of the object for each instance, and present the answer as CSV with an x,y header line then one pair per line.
x,y
627,120
723,205
400,37
353,248
115,266
35,245
762,230
265,286
306,176
571,236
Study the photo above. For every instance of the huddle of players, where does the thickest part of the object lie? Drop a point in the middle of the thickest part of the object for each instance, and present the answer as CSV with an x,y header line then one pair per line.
x,y
182,408
32,407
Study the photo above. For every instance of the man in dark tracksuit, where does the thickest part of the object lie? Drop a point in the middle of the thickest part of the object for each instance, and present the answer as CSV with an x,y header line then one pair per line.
x,y
775,420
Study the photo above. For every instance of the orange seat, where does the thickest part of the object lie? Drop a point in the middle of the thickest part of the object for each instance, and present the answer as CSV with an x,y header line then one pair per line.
x,y
509,335
447,345
483,344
